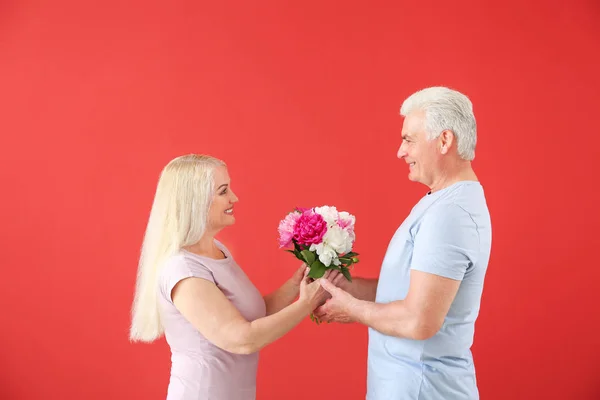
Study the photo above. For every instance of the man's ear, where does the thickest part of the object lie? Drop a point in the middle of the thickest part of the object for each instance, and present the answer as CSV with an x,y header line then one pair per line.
x,y
446,141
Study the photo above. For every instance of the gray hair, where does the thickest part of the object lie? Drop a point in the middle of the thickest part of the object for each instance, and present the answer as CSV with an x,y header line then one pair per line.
x,y
446,109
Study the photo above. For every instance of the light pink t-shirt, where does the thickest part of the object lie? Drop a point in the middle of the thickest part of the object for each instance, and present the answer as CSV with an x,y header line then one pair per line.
x,y
201,370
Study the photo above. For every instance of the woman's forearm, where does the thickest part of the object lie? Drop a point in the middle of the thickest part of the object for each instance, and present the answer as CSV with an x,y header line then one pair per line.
x,y
263,331
281,298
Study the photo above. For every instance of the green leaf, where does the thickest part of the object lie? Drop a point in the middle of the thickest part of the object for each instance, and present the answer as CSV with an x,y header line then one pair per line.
x,y
309,256
346,274
317,269
297,254
346,263
350,255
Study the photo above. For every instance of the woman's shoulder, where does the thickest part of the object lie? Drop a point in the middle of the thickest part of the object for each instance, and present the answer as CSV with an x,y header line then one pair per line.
x,y
183,265
184,262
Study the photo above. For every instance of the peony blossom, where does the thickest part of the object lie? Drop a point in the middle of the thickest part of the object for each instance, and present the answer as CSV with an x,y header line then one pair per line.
x,y
329,214
309,228
338,239
346,222
326,254
286,228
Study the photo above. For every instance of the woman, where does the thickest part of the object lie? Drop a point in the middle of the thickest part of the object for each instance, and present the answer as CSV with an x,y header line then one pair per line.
x,y
190,288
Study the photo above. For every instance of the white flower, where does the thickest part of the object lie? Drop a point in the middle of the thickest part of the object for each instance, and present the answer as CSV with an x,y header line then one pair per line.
x,y
326,254
338,239
329,214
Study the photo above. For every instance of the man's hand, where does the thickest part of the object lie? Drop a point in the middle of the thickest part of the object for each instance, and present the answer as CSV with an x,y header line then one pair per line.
x,y
339,307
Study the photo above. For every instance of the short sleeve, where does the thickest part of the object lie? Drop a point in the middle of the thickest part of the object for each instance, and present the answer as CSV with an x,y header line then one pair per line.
x,y
180,268
446,243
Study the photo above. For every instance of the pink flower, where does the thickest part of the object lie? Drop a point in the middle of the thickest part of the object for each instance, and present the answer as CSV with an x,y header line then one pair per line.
x,y
309,228
286,228
344,224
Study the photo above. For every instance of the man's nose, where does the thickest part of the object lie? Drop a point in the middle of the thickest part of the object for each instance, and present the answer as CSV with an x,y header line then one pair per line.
x,y
401,152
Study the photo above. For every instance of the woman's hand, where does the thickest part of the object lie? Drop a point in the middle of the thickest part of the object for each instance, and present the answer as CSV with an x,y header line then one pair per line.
x,y
296,279
311,291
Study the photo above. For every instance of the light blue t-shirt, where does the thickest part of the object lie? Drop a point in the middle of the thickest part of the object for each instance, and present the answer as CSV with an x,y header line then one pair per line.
x,y
448,233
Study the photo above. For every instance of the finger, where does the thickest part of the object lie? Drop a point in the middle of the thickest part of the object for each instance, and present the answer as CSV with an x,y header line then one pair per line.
x,y
327,273
325,317
328,286
305,279
318,312
321,312
334,274
339,278
299,273
306,271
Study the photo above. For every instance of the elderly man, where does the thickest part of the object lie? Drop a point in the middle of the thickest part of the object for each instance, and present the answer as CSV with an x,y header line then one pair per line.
x,y
421,311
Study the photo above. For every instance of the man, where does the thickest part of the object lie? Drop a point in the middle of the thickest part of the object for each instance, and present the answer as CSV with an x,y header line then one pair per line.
x,y
422,310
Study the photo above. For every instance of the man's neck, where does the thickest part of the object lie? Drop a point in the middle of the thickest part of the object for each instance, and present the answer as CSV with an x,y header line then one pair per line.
x,y
462,172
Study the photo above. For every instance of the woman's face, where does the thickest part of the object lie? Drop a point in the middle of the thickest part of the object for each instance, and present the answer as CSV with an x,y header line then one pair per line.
x,y
220,213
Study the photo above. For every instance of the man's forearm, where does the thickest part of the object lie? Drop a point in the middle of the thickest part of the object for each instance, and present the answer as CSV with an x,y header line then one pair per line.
x,y
361,288
392,319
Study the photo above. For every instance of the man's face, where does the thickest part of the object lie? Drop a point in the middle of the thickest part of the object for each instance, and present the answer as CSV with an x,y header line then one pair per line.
x,y
421,154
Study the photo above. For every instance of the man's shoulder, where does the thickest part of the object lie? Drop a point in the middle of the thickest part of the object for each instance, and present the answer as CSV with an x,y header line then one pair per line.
x,y
467,199
446,209
458,213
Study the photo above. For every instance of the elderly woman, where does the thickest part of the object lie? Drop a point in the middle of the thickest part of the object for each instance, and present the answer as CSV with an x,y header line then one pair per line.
x,y
190,288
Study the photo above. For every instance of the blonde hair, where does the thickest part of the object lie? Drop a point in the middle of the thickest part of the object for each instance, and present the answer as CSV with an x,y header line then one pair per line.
x,y
178,218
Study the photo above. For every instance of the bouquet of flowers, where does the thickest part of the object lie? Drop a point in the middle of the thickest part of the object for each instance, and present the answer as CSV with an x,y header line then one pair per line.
x,y
321,237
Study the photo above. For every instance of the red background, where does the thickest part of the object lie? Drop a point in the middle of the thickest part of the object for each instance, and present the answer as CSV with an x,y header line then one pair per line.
x,y
302,102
